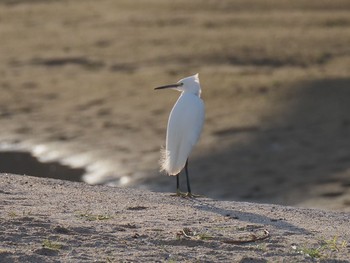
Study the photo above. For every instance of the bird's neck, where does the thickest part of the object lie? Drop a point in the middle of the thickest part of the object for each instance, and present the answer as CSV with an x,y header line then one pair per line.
x,y
196,93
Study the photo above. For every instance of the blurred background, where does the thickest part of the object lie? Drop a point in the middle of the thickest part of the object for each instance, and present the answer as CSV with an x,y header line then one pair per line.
x,y
77,99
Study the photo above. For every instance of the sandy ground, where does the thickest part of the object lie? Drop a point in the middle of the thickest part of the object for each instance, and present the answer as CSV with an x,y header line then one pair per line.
x,y
77,79
47,220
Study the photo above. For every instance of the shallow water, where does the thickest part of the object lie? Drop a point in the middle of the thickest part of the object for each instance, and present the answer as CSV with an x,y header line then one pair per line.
x,y
18,162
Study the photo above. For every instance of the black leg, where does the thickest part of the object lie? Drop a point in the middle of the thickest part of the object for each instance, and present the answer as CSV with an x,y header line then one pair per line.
x,y
177,184
188,179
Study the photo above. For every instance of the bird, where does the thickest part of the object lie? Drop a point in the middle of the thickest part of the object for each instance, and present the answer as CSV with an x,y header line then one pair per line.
x,y
185,125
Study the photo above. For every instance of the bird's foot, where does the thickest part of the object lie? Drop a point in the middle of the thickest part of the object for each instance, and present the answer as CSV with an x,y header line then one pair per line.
x,y
180,194
186,195
190,195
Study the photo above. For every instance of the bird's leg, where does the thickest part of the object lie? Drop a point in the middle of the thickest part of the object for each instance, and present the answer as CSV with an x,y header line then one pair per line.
x,y
188,179
178,192
189,193
178,185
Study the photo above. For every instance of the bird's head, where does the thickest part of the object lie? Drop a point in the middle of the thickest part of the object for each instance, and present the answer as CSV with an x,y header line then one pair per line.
x,y
189,84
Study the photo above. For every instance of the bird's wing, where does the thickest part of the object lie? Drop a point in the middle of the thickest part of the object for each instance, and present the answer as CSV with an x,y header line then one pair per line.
x,y
198,119
184,127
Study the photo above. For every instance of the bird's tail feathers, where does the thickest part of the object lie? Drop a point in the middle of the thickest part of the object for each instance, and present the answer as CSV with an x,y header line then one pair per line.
x,y
165,164
164,160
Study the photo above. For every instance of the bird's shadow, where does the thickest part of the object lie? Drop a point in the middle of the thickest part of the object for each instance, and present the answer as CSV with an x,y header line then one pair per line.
x,y
252,218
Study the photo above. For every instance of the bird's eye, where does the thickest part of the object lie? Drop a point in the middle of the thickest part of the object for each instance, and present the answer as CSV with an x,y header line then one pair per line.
x,y
181,84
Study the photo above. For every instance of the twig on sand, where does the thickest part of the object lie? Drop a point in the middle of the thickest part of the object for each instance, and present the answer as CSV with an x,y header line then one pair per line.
x,y
252,238
189,234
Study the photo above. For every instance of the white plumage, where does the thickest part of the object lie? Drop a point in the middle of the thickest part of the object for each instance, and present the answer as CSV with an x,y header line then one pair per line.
x,y
184,125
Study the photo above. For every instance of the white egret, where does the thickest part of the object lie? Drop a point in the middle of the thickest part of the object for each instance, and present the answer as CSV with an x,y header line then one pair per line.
x,y
184,128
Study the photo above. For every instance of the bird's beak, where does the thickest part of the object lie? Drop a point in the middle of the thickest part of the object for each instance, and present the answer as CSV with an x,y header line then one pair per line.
x,y
169,86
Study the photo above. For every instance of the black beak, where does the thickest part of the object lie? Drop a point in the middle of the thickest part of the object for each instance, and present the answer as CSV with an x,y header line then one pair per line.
x,y
169,86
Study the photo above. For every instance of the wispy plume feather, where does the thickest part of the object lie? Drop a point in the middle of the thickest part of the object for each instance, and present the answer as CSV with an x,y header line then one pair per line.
x,y
164,160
